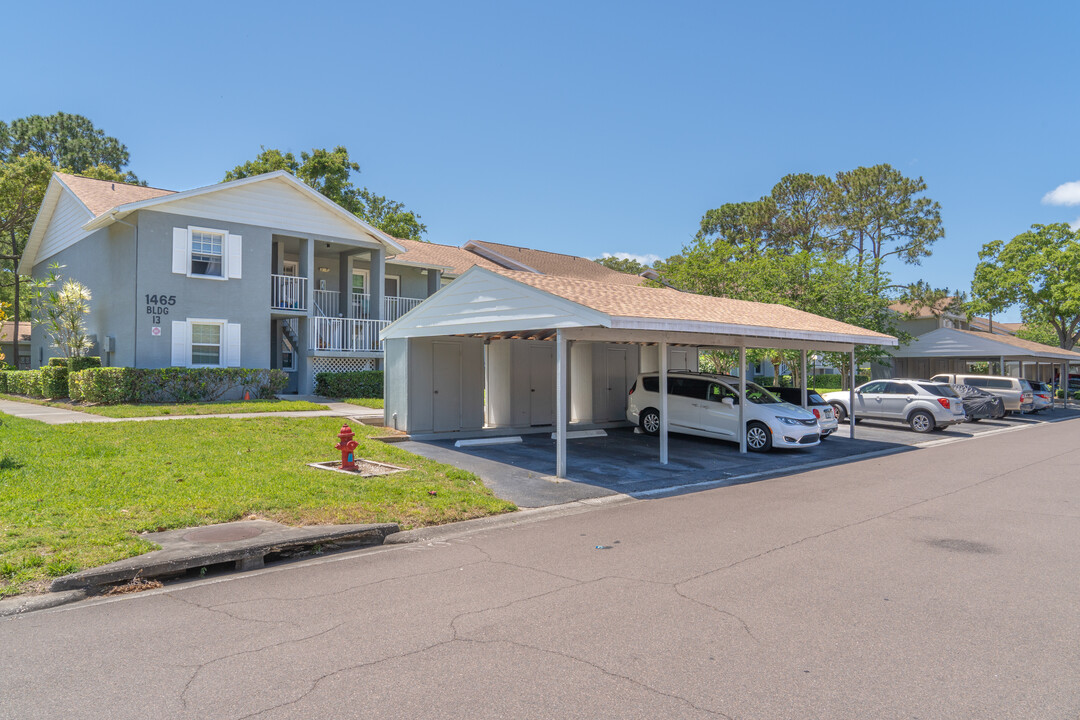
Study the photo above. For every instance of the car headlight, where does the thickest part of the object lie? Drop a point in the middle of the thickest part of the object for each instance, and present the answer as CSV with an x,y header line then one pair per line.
x,y
788,421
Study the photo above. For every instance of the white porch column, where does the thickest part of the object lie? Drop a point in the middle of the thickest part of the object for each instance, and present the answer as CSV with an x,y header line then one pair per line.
x,y
802,354
345,263
561,361
742,399
851,395
663,358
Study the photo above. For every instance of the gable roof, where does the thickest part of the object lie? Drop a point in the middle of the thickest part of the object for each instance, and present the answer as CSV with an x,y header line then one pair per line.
x,y
101,195
483,300
106,202
513,257
7,331
456,260
951,342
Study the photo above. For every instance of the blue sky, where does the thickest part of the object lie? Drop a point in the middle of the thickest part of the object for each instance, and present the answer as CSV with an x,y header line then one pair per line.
x,y
583,127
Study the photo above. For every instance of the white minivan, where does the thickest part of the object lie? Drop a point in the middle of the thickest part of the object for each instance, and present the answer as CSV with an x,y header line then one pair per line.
x,y
708,405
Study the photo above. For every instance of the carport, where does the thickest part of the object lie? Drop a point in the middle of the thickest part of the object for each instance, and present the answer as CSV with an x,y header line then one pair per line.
x,y
949,350
515,351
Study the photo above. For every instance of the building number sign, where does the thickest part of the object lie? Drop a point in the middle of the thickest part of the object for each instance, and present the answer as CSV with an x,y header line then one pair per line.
x,y
158,305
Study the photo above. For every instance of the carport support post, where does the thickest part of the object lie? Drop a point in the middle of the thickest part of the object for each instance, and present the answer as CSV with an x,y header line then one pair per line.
x,y
560,404
661,350
802,356
742,399
851,396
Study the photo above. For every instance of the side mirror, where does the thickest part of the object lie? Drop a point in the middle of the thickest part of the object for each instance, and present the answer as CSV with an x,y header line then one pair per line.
x,y
730,402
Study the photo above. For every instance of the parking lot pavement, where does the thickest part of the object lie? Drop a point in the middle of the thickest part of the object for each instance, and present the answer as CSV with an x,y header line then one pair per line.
x,y
628,462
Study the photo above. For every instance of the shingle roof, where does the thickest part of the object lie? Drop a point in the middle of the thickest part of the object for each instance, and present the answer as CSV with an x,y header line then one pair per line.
x,y
102,195
7,330
924,311
1027,345
550,263
667,304
446,255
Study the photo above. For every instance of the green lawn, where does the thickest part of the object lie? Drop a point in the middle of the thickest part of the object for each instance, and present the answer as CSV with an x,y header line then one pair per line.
x,y
73,496
366,402
150,410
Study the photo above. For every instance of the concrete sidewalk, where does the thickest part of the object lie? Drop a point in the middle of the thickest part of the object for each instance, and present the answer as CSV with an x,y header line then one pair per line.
x,y
62,416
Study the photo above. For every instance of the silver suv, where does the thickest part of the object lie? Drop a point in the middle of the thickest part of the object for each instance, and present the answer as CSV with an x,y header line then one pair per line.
x,y
923,405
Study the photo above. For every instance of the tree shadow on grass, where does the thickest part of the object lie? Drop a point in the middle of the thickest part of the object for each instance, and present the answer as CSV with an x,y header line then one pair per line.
x,y
9,463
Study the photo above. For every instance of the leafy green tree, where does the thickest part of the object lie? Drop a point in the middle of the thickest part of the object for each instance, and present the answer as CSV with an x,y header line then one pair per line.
x,y
23,181
1039,270
330,173
1038,331
623,265
67,141
881,213
803,218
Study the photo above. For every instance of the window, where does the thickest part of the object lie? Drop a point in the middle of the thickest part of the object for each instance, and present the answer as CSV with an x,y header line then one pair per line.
x,y
688,387
207,252
939,390
392,286
288,356
895,388
206,344
873,388
359,281
718,392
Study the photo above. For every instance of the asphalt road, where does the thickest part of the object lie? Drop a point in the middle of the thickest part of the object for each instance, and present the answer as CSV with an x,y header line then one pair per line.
x,y
934,584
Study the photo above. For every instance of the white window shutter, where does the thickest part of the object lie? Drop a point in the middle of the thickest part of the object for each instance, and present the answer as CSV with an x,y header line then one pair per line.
x,y
180,251
235,255
232,335
180,344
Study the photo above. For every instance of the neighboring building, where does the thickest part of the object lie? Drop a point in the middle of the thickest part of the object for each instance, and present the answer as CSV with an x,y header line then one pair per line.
x,y
262,272
20,358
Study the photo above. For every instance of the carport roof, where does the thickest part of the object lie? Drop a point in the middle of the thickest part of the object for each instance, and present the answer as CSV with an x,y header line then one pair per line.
x,y
954,343
484,301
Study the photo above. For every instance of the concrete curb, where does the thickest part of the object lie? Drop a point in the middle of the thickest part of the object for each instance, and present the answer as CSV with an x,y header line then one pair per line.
x,y
494,522
19,605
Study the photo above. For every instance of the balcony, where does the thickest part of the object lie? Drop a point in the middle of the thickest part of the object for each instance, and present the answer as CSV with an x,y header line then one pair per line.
x,y
345,334
288,293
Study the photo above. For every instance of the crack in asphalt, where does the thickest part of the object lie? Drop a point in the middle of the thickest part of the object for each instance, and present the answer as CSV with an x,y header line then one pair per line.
x,y
202,666
217,609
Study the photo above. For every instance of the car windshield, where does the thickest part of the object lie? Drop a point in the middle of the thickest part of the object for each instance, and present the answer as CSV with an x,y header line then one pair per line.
x,y
759,395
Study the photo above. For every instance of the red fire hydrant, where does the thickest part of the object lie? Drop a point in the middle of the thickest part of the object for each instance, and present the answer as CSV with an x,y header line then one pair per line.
x,y
346,446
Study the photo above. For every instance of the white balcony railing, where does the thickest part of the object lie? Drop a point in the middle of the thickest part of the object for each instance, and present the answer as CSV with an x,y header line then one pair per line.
x,y
345,334
326,303
361,305
394,307
288,292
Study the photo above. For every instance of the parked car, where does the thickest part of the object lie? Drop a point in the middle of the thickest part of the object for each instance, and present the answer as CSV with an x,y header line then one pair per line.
x,y
979,404
814,403
923,405
1016,392
708,405
1042,396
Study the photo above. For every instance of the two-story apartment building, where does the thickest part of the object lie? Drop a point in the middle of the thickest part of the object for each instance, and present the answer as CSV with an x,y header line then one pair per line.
x,y
262,272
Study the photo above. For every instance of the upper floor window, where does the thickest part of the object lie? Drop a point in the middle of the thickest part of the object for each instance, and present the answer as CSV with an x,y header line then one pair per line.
x,y
206,252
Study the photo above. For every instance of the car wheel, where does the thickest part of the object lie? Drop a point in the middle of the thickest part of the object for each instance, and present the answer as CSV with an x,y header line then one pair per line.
x,y
650,422
839,412
974,419
921,421
758,437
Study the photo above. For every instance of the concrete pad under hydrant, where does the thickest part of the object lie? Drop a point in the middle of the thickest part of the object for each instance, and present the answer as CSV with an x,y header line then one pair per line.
x,y
246,543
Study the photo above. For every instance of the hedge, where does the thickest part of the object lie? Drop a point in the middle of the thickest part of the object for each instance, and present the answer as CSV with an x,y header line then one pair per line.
x,y
22,382
75,364
361,384
833,382
107,386
54,381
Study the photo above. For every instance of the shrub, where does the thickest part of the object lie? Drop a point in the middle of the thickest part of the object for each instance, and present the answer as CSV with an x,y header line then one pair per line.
x,y
24,382
107,386
54,381
833,382
362,384
769,380
81,363
4,377
58,362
